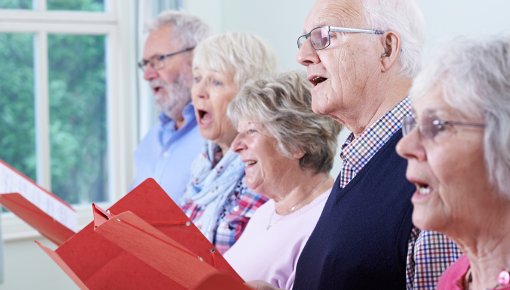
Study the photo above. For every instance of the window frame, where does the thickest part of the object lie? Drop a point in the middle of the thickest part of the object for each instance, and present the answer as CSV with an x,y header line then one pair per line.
x,y
118,24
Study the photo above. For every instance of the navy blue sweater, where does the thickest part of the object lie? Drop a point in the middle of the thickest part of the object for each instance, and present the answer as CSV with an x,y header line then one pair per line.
x,y
361,238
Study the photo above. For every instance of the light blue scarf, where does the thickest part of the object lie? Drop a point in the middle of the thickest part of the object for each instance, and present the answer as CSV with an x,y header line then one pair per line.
x,y
210,187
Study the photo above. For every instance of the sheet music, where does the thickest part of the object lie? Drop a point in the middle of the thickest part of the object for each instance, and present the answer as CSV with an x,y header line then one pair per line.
x,y
12,181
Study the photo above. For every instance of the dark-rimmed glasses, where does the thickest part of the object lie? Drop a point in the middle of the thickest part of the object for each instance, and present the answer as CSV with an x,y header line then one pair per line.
x,y
157,62
320,37
430,124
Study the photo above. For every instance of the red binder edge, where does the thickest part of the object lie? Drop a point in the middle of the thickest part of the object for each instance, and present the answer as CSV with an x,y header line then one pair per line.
x,y
35,217
142,240
55,257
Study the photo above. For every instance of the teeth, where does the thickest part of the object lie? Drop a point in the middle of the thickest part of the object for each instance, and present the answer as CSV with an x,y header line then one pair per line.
x,y
425,190
250,162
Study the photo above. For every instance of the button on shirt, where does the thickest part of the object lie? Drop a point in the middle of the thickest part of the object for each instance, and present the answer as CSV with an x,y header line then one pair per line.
x,y
166,153
429,253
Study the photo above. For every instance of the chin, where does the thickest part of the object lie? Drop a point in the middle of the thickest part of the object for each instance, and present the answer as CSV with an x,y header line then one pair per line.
x,y
428,222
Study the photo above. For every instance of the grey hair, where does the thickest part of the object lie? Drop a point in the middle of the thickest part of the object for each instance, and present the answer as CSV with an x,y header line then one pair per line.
x,y
474,76
405,18
189,30
241,53
283,105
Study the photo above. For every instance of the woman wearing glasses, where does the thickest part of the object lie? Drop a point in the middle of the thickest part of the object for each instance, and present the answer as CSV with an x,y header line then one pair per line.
x,y
217,199
458,151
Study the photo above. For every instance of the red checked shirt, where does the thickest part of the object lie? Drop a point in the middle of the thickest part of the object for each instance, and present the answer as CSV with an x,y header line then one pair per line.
x,y
429,253
239,208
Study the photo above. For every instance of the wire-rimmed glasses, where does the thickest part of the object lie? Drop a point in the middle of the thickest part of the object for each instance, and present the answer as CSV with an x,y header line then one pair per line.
x,y
429,125
157,62
320,37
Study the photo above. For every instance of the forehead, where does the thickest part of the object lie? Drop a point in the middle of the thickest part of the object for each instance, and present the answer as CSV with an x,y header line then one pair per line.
x,y
335,12
431,100
160,41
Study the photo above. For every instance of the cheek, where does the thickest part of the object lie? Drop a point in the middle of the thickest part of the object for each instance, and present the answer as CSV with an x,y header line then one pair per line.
x,y
459,172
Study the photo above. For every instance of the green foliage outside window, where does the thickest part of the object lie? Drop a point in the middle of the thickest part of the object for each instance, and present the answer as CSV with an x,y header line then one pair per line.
x,y
16,4
76,5
78,134
77,98
17,123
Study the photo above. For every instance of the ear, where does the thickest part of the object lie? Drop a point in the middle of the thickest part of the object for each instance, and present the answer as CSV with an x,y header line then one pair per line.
x,y
391,50
298,154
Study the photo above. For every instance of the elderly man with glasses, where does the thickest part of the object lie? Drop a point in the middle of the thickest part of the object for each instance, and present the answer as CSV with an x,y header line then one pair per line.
x,y
361,57
168,149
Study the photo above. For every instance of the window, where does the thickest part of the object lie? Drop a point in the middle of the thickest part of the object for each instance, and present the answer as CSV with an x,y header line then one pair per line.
x,y
68,95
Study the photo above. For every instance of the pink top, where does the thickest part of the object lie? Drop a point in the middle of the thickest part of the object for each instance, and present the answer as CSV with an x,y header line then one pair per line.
x,y
453,278
270,245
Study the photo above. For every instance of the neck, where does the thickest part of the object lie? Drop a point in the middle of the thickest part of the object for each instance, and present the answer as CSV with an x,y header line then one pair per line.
x,y
487,246
387,94
303,193
179,123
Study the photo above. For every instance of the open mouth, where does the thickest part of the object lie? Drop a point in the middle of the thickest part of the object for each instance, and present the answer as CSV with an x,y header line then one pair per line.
x,y
204,117
423,188
157,89
317,80
249,163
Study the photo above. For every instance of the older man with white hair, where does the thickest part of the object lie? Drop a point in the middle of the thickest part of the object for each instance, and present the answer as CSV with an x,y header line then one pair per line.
x,y
361,57
168,149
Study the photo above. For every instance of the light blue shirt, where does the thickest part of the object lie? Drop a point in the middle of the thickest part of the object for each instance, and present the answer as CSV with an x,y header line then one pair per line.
x,y
166,154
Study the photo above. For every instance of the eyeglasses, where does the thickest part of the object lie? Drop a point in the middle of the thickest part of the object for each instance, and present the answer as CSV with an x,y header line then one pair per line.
x,y
321,37
157,62
430,125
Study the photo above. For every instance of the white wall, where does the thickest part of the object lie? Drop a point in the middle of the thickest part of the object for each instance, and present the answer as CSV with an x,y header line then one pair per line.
x,y
28,267
280,23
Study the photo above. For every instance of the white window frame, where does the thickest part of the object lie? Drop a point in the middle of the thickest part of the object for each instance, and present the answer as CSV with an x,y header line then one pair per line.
x,y
118,24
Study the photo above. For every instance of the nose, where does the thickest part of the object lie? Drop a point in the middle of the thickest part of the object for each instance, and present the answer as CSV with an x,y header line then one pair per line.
x,y
150,73
307,54
238,144
410,147
199,89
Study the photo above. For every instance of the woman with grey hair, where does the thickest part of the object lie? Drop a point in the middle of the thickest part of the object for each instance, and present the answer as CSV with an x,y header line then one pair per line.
x,y
288,152
216,198
457,146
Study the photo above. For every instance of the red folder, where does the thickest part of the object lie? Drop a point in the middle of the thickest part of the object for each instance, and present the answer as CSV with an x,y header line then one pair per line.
x,y
48,226
35,217
95,262
162,253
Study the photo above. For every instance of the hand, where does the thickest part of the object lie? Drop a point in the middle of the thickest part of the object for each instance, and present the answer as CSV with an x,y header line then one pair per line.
x,y
261,285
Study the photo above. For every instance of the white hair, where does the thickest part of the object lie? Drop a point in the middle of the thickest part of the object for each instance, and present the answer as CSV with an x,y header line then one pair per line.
x,y
474,76
189,30
405,18
244,54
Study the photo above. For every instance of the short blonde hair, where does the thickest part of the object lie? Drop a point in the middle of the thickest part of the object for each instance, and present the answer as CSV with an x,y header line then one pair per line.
x,y
283,105
243,54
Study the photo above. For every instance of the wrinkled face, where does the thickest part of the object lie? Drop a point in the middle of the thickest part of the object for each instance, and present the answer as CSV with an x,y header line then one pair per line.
x,y
170,85
211,93
265,165
447,169
342,74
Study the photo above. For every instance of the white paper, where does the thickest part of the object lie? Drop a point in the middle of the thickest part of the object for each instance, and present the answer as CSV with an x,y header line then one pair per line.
x,y
12,181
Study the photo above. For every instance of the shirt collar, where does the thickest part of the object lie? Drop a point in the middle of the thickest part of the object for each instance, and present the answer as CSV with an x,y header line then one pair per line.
x,y
188,112
358,151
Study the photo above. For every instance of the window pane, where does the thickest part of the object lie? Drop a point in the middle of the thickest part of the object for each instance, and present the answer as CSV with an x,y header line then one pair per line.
x,y
78,136
17,123
15,4
75,5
